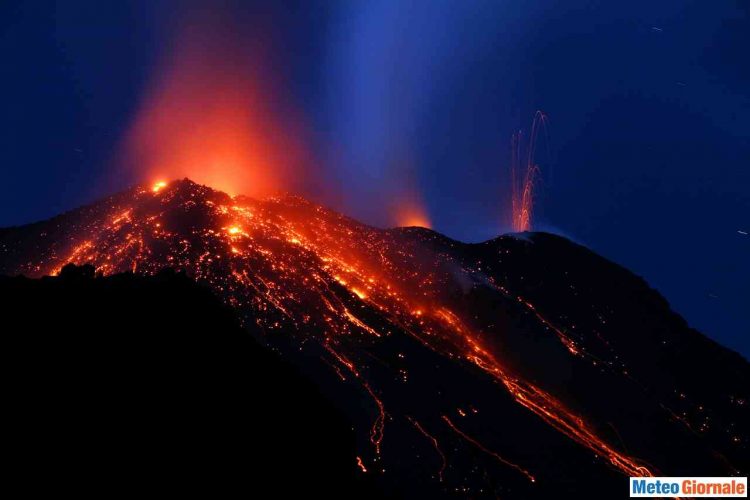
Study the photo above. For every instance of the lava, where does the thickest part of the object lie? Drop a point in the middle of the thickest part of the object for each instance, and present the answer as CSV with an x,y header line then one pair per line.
x,y
378,428
435,444
479,445
523,183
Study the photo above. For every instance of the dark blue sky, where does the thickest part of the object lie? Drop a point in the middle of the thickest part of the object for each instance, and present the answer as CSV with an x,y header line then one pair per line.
x,y
648,161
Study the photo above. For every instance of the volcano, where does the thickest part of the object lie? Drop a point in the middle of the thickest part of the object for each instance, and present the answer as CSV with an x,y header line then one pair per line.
x,y
520,367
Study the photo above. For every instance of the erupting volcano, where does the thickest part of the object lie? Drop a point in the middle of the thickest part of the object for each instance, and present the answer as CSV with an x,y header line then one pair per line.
x,y
512,367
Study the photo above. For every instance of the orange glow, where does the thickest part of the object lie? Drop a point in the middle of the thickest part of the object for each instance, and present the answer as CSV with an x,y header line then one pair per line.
x,y
209,116
412,212
158,186
234,230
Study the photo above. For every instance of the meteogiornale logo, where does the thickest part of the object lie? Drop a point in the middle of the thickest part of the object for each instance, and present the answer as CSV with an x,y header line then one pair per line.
x,y
695,487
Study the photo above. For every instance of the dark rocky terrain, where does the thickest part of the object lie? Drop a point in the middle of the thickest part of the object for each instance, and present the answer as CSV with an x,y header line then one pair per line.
x,y
147,385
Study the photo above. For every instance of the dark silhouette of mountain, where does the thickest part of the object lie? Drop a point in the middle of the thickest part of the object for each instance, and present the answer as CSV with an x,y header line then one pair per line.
x,y
132,384
522,367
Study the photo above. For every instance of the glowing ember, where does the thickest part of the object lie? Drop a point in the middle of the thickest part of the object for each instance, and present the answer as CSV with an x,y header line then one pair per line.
x,y
158,186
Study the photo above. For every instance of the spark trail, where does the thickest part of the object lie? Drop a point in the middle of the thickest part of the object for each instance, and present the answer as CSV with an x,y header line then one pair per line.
x,y
524,177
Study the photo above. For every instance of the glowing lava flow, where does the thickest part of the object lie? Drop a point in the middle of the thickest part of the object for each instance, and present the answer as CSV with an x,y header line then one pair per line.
x,y
522,185
435,444
541,403
553,412
295,268
489,452
378,428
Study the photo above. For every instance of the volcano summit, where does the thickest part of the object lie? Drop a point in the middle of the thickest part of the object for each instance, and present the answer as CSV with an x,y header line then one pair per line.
x,y
519,367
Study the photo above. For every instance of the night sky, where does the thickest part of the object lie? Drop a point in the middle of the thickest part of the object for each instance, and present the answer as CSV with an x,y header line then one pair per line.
x,y
647,161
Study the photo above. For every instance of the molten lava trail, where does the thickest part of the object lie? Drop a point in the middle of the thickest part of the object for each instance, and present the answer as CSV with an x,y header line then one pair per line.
x,y
378,428
488,451
435,444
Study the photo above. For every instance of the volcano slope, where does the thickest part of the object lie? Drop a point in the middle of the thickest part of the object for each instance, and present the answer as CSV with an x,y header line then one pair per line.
x,y
519,367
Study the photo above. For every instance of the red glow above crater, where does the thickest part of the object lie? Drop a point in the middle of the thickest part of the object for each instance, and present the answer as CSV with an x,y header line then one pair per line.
x,y
210,115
